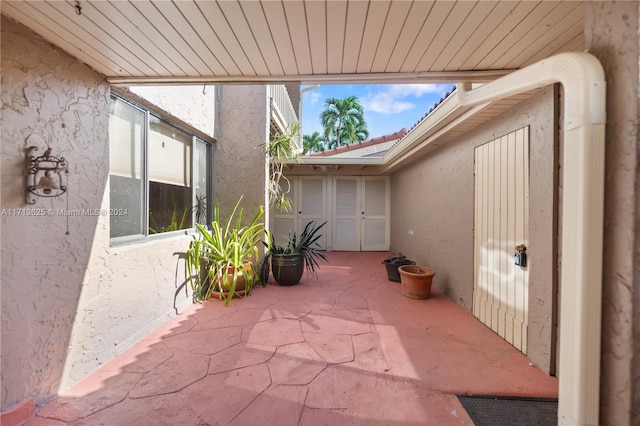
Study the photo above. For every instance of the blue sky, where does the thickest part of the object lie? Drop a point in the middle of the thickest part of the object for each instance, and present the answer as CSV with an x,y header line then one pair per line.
x,y
387,107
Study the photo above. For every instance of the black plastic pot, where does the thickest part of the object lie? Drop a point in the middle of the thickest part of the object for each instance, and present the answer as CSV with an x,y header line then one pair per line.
x,y
393,263
287,269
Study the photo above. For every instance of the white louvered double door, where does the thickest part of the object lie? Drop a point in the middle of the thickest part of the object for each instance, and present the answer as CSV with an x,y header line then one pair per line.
x,y
361,213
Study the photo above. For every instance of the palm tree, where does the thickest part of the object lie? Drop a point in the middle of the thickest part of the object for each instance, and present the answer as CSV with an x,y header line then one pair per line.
x,y
312,143
355,134
343,121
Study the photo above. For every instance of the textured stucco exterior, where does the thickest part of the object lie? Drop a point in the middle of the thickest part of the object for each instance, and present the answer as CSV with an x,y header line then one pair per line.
x,y
48,98
69,301
434,198
192,105
239,157
611,33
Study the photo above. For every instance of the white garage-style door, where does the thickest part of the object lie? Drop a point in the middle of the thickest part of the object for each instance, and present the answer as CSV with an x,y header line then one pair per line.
x,y
501,224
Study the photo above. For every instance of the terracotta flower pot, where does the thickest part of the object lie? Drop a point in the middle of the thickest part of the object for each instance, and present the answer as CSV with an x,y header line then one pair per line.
x,y
416,281
240,281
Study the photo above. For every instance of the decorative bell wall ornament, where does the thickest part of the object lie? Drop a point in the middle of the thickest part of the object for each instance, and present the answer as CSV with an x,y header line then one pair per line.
x,y
46,175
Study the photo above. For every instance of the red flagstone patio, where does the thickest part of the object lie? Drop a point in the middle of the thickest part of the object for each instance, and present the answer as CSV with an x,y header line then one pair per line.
x,y
344,349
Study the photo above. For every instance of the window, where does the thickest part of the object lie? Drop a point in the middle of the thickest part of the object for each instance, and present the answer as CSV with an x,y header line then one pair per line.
x,y
160,175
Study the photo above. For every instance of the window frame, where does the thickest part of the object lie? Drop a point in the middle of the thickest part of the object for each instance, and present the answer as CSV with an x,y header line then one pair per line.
x,y
146,236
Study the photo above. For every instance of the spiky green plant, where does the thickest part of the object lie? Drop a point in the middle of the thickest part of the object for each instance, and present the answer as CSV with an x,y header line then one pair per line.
x,y
306,244
216,257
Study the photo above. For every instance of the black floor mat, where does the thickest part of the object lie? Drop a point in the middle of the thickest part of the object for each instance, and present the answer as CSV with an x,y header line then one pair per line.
x,y
500,410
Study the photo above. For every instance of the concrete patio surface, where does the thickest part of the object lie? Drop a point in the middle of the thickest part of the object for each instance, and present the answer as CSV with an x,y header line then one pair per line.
x,y
344,349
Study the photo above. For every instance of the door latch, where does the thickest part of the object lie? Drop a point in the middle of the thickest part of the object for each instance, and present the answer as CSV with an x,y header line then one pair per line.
x,y
520,258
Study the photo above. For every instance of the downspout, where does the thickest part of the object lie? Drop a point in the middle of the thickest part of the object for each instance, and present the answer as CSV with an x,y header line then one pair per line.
x,y
584,85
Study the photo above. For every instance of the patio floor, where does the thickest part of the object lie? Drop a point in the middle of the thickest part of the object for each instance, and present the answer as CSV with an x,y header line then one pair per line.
x,y
344,349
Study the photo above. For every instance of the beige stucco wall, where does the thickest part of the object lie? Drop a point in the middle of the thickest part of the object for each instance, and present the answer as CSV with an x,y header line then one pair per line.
x,y
69,301
434,198
239,157
192,105
611,33
47,98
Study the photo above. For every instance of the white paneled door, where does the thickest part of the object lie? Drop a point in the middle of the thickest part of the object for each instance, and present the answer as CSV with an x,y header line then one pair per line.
x,y
361,213
501,223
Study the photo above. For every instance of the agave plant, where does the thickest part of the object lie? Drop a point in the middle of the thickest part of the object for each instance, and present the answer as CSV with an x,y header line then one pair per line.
x,y
218,256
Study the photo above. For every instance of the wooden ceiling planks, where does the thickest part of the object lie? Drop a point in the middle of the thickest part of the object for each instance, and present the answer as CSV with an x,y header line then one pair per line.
x,y
374,25
115,21
276,18
297,22
336,27
168,38
442,39
458,45
257,21
245,36
410,30
206,39
317,24
432,24
146,34
395,22
53,27
523,34
186,39
220,26
354,29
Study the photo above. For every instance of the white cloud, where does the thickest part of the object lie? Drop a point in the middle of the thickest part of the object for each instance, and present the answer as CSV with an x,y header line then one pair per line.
x,y
315,97
418,89
391,97
385,104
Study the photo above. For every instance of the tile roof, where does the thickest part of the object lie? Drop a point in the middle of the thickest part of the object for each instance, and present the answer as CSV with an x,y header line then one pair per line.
x,y
363,144
442,99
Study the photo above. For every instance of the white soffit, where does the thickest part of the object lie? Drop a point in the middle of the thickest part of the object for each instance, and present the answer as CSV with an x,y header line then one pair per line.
x,y
156,42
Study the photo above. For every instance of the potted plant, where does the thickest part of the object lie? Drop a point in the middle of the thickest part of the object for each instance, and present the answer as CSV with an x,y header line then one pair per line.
x,y
393,263
288,262
220,260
